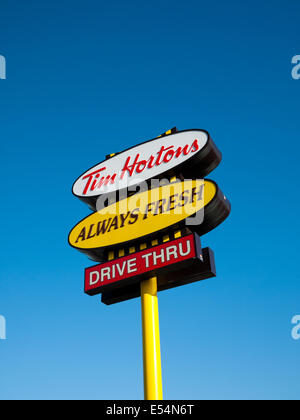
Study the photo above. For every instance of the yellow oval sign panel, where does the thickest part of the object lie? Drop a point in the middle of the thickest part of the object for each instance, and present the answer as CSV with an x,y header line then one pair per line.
x,y
150,212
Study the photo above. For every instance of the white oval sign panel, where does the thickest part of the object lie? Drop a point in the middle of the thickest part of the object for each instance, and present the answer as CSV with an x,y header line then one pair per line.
x,y
193,150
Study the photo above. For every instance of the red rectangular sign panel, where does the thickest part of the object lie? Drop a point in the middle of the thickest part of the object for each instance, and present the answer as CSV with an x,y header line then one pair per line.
x,y
113,274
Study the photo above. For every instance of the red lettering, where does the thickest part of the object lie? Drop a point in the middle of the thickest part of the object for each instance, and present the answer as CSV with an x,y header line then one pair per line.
x,y
185,151
151,162
165,154
128,168
163,149
141,166
169,156
104,181
89,178
195,146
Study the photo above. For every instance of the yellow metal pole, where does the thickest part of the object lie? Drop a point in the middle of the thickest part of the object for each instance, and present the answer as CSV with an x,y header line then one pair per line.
x,y
151,340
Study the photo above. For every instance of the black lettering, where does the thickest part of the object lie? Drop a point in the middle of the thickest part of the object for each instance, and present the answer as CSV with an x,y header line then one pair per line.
x,y
172,202
102,226
183,198
82,235
123,218
148,208
159,206
134,216
90,232
199,194
114,224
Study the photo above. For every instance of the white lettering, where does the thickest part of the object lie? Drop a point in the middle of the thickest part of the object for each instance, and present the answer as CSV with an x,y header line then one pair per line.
x,y
121,270
2,67
118,410
296,329
171,250
132,265
296,69
160,256
105,272
2,328
146,256
96,276
188,246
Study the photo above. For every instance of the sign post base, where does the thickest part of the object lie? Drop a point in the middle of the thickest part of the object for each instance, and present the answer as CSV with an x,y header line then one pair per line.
x,y
151,340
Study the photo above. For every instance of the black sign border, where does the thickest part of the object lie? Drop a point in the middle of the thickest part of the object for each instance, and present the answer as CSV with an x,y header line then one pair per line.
x,y
215,212
199,165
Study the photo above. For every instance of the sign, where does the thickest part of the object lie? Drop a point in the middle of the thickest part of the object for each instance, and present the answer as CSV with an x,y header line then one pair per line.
x,y
148,241
174,275
191,153
150,213
103,277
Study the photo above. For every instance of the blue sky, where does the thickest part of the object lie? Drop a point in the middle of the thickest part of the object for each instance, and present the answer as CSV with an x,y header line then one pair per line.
x,y
85,79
